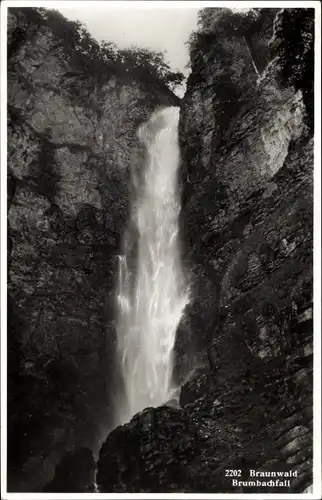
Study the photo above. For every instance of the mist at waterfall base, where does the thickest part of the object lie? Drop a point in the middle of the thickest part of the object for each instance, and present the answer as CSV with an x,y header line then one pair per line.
x,y
152,291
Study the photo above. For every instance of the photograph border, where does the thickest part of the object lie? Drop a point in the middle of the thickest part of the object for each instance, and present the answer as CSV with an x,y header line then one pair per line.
x,y
316,252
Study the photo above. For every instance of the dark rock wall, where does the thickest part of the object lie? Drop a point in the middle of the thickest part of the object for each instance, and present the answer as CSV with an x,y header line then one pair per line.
x,y
75,473
71,140
247,221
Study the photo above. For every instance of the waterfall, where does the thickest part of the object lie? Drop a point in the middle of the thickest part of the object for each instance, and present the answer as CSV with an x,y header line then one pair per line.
x,y
152,295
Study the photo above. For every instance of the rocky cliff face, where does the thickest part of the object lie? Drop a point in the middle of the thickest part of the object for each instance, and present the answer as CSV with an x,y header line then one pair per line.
x,y
71,140
247,156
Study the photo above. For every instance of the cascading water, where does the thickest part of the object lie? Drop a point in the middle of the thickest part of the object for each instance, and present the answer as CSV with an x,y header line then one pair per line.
x,y
153,296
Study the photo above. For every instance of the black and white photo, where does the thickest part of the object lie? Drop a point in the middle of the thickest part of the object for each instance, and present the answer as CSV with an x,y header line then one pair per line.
x,y
160,220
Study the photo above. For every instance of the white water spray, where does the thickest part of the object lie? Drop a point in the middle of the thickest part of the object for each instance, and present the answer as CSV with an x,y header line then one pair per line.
x,y
152,297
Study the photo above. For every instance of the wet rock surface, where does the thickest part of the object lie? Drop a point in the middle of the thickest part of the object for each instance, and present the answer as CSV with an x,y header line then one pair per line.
x,y
130,461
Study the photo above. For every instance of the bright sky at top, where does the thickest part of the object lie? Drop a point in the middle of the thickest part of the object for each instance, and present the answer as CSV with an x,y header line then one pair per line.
x,y
158,29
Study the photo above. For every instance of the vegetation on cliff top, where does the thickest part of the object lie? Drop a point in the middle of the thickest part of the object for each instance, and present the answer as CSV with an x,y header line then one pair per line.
x,y
102,58
283,35
293,48
228,24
